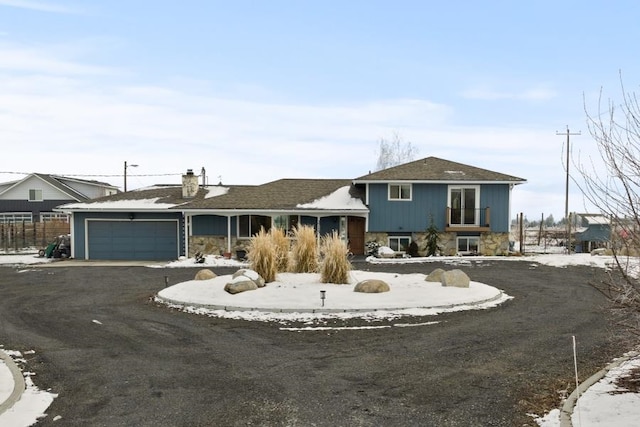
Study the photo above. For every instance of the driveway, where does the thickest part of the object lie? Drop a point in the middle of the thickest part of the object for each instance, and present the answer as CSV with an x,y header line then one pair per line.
x,y
117,359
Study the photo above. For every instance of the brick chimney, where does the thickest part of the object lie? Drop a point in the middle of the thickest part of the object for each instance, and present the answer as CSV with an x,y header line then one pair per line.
x,y
189,185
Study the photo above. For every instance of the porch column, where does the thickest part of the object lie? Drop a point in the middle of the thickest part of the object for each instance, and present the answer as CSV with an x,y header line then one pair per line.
x,y
229,234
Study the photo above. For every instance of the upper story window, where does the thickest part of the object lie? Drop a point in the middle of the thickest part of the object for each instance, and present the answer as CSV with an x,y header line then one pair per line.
x,y
399,191
35,195
464,203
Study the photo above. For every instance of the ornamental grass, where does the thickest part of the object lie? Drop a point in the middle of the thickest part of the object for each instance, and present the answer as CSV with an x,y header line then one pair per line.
x,y
334,267
262,256
304,250
281,247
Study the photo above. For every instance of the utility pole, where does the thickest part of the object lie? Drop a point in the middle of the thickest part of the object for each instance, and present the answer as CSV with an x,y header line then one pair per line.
x,y
566,194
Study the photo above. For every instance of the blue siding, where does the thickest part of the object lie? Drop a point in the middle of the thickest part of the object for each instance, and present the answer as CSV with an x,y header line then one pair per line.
x,y
209,225
430,201
496,197
79,232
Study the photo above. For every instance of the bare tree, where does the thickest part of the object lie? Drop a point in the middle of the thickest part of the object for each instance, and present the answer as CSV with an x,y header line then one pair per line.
x,y
614,188
395,152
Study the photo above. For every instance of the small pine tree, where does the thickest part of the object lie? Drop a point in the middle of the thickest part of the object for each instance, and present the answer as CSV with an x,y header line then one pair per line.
x,y
432,239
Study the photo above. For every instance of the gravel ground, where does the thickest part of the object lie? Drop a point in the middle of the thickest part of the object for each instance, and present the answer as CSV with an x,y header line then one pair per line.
x,y
117,359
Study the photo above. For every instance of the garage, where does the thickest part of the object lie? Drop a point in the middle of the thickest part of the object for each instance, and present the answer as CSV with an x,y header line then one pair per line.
x,y
132,240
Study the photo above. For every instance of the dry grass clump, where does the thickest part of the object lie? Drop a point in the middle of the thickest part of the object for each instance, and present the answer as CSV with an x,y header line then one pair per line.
x,y
281,248
335,266
304,250
262,256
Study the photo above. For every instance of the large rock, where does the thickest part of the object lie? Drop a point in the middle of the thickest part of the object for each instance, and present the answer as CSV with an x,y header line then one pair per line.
x,y
435,276
240,284
251,275
386,252
372,286
455,278
205,274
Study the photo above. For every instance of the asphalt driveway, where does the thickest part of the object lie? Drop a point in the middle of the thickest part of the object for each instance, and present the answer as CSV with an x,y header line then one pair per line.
x,y
117,359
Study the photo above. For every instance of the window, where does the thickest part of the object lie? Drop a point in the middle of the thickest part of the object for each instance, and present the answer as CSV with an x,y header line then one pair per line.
x,y
16,217
399,243
286,222
468,244
399,191
465,205
249,225
35,195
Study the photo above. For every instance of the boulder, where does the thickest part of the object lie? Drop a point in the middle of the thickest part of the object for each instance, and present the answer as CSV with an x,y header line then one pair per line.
x,y
205,274
240,284
372,286
250,274
435,276
455,278
386,252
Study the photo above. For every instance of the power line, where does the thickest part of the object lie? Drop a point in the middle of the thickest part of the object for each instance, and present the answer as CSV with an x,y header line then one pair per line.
x,y
93,175
566,197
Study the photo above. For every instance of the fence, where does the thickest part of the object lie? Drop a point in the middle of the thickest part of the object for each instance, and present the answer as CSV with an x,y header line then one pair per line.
x,y
16,236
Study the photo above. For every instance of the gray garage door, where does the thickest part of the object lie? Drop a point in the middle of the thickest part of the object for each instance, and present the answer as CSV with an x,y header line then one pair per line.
x,y
136,240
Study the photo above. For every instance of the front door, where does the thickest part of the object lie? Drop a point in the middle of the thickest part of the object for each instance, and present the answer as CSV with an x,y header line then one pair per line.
x,y
355,234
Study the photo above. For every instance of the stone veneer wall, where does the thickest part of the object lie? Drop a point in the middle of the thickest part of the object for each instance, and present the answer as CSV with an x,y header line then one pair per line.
x,y
215,245
490,243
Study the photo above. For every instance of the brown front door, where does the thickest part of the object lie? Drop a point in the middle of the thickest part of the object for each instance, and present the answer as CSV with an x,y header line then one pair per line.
x,y
355,234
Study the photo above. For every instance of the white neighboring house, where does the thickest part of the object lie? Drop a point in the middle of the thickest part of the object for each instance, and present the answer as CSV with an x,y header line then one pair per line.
x,y
33,198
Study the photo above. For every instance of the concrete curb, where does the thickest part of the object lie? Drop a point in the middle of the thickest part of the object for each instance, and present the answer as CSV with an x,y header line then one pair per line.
x,y
570,403
170,301
18,382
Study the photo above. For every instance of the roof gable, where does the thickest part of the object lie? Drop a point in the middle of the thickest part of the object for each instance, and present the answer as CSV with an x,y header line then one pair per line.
x,y
60,183
437,170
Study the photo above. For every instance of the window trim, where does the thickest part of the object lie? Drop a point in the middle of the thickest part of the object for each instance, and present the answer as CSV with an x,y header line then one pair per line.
x,y
400,185
251,232
459,238
476,208
36,192
389,238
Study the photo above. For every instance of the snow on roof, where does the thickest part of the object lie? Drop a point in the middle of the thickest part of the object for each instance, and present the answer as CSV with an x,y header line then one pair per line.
x,y
215,191
339,199
121,204
596,219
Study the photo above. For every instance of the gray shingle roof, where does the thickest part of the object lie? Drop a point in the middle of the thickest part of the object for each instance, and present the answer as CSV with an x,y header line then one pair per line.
x,y
283,194
436,169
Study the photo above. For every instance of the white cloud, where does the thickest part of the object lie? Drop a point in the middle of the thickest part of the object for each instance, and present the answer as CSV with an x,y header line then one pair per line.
x,y
44,61
40,6
80,119
489,94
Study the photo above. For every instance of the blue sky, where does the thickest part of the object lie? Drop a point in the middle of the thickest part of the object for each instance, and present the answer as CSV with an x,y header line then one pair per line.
x,y
260,90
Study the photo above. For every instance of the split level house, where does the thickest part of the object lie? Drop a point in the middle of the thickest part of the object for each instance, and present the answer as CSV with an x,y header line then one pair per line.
x,y
32,198
469,206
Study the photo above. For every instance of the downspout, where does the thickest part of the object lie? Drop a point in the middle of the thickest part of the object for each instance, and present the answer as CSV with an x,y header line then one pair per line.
x,y
187,232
